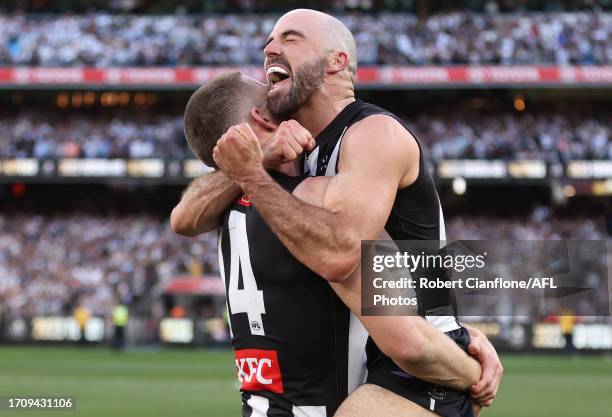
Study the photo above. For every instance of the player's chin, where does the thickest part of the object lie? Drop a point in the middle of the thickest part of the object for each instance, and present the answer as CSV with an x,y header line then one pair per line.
x,y
278,103
276,95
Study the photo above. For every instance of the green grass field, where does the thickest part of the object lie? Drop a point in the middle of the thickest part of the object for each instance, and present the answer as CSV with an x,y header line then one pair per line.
x,y
176,383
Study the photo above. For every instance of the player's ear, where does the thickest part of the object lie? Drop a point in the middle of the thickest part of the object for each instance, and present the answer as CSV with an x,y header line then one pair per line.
x,y
263,119
337,61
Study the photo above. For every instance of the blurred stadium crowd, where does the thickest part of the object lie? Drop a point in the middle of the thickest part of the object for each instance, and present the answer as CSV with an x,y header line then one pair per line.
x,y
48,262
122,135
553,137
105,40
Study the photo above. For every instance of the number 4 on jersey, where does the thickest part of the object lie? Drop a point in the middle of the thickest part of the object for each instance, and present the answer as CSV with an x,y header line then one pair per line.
x,y
248,300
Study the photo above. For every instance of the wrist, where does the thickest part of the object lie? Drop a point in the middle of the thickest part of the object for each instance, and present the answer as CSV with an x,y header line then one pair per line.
x,y
254,180
475,372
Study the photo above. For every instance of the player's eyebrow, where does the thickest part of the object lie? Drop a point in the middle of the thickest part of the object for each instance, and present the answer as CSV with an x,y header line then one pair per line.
x,y
286,34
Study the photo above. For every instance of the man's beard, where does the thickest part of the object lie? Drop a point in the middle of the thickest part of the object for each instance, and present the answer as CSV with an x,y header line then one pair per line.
x,y
305,82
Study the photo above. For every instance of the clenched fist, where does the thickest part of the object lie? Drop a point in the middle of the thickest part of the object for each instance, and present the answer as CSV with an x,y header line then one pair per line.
x,y
238,153
288,142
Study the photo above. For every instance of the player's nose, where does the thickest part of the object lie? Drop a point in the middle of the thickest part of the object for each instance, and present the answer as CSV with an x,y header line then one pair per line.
x,y
272,49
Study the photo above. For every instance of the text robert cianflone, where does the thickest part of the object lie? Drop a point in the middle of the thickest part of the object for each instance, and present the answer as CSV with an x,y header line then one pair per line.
x,y
465,283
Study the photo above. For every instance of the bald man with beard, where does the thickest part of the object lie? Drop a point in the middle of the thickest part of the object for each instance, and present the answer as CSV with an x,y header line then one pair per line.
x,y
378,182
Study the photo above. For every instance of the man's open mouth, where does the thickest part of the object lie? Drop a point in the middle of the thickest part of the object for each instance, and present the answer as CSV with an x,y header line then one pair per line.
x,y
277,76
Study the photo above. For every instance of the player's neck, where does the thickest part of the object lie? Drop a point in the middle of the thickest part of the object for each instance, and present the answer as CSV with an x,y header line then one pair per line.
x,y
320,110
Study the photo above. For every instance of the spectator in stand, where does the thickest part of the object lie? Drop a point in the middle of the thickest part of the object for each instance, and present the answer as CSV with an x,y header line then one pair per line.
x,y
554,137
46,261
55,136
105,40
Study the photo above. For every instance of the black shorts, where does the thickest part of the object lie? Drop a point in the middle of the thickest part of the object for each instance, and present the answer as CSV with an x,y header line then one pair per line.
x,y
444,401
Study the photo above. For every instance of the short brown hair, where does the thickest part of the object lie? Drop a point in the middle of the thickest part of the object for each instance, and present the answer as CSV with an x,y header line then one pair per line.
x,y
215,107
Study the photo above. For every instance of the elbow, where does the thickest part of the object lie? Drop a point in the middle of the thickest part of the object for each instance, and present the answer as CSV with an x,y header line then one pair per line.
x,y
408,349
341,265
181,224
416,353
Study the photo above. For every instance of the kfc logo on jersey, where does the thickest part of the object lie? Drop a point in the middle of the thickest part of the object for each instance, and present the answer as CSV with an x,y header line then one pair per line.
x,y
258,370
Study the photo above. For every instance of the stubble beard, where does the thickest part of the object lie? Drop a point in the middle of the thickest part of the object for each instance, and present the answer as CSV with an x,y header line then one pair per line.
x,y
305,82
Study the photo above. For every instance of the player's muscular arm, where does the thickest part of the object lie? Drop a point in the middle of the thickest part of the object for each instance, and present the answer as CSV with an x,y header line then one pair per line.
x,y
413,343
422,350
373,161
203,203
356,203
410,341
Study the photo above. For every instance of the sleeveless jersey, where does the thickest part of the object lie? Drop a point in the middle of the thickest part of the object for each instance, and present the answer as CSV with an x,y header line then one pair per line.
x,y
294,340
416,213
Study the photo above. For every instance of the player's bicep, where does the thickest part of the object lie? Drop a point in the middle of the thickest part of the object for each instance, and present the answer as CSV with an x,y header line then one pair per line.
x,y
361,202
369,172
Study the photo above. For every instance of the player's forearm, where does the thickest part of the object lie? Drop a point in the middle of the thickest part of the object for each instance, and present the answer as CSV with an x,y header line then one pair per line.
x,y
441,361
412,343
314,235
203,203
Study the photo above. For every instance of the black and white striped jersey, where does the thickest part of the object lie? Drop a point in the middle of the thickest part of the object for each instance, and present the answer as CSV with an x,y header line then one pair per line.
x,y
298,352
416,213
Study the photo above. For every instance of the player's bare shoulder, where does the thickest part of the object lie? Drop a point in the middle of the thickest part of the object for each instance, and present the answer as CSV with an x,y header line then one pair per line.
x,y
381,140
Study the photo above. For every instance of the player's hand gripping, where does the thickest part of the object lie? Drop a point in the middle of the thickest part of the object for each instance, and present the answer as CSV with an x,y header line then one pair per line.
x,y
238,153
289,141
485,390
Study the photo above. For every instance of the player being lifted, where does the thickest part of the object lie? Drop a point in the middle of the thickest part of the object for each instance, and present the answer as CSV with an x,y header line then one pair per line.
x,y
280,278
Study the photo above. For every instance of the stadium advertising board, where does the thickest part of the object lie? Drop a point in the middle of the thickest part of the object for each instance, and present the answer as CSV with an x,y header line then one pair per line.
x,y
372,76
179,331
66,329
191,168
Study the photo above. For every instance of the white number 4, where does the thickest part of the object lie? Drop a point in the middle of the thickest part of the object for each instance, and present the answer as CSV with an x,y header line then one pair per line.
x,y
250,299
